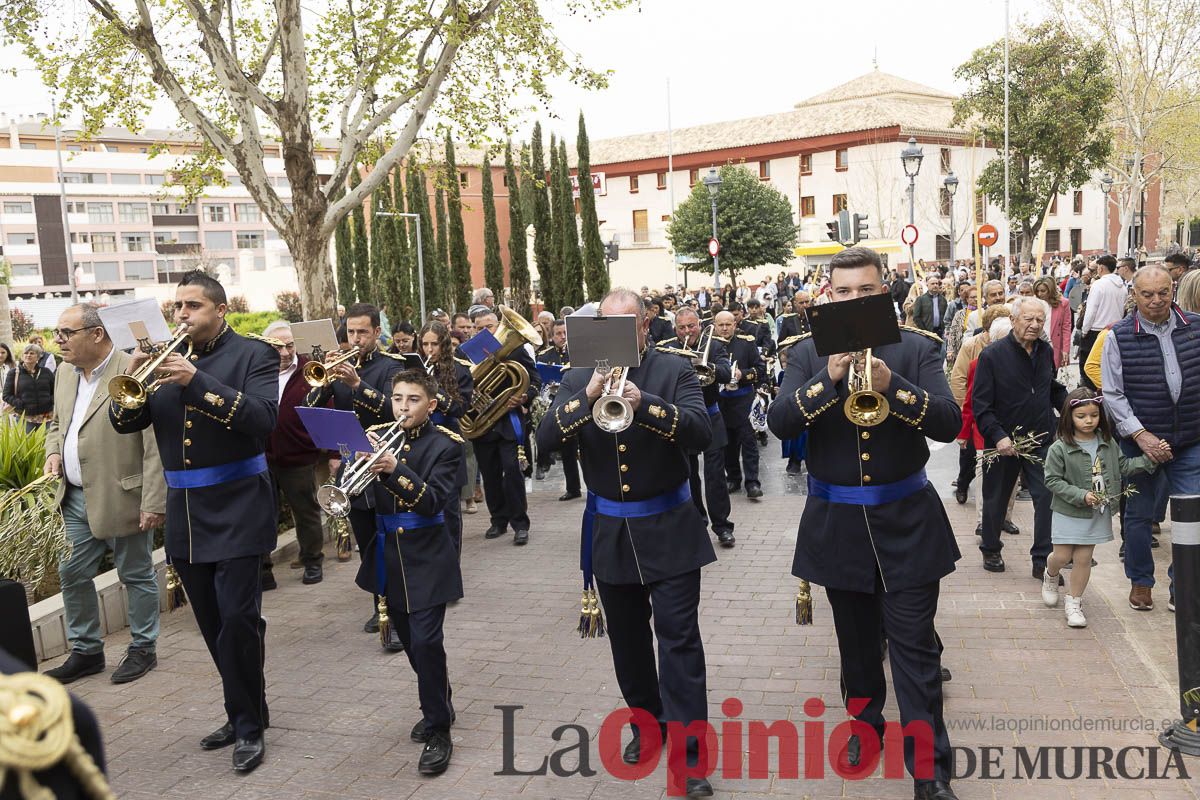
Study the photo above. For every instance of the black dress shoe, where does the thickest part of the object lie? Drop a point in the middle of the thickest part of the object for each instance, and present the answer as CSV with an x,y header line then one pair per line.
x,y
961,496
436,755
248,754
137,662
393,643
221,737
520,536
725,538
1009,527
539,475
698,787
372,625
934,790
420,731
753,490
979,529
993,562
853,750
313,574
77,666
794,467
1154,542
570,496
733,486
268,583
944,675
495,532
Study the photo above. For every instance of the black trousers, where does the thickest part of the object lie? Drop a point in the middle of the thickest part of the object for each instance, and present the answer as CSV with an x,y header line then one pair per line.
x,y
569,456
362,523
1085,348
736,412
503,482
454,523
907,619
998,482
226,598
716,492
298,485
676,690
424,644
966,465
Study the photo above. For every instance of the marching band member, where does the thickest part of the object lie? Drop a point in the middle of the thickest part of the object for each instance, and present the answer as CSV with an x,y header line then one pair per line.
x,y
795,323
454,386
212,414
749,371
556,353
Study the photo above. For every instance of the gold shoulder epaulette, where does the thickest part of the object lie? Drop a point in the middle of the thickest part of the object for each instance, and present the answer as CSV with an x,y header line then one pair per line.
x,y
747,336
675,351
395,356
544,349
791,340
466,362
925,333
719,339
449,433
380,425
785,315
271,340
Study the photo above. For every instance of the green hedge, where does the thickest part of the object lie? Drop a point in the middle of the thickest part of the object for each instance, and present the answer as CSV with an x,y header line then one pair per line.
x,y
22,454
251,322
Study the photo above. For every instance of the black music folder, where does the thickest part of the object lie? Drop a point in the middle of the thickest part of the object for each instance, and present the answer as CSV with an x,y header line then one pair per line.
x,y
852,325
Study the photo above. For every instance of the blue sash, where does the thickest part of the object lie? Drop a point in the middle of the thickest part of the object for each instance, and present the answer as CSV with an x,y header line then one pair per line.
x,y
615,508
211,476
515,418
868,495
384,524
742,392
714,409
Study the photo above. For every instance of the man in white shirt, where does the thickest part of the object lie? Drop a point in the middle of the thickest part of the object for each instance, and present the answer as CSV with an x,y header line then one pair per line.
x,y
1105,305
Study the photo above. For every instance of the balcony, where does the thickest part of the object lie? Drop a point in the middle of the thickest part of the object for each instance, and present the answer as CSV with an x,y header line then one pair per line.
x,y
22,250
640,239
175,220
178,248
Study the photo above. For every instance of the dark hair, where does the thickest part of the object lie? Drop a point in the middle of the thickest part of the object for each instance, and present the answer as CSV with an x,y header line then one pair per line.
x,y
364,310
483,311
854,258
735,306
443,369
1179,259
1066,425
1128,262
558,323
211,287
458,314
405,327
1109,262
753,303
416,376
9,359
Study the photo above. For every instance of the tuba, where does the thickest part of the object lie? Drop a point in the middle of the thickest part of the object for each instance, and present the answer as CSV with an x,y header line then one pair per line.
x,y
131,391
865,406
497,381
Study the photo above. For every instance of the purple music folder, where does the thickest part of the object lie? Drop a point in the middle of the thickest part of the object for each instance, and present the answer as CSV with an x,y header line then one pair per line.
x,y
335,430
479,346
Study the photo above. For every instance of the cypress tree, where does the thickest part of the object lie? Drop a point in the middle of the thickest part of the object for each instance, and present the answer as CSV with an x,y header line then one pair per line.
x,y
362,252
460,262
493,266
542,227
518,264
404,257
379,247
527,187
418,203
595,270
553,273
571,293
441,282
344,248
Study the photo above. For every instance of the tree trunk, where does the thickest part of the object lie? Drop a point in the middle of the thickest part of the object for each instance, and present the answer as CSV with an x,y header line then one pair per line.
x,y
6,331
310,252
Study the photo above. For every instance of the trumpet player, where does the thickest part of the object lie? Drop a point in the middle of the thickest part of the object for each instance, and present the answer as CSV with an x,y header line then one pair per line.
x,y
361,385
413,555
212,414
749,370
874,532
716,492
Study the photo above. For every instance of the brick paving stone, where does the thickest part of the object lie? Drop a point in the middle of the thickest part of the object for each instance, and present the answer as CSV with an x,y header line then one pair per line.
x,y
341,708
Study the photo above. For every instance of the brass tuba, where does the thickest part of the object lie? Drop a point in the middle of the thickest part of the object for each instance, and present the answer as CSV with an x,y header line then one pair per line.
x,y
865,406
496,380
131,391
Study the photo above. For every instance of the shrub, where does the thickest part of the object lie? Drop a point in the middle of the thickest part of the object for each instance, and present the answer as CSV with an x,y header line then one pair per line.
x,y
251,322
237,305
21,454
22,325
289,306
168,311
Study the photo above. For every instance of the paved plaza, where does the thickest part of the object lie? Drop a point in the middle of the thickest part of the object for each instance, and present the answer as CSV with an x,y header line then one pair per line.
x,y
341,709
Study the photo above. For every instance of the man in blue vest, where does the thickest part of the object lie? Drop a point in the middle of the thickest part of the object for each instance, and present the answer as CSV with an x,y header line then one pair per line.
x,y
1151,379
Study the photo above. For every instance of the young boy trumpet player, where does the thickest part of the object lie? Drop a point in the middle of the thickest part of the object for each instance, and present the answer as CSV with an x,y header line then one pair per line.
x,y
411,562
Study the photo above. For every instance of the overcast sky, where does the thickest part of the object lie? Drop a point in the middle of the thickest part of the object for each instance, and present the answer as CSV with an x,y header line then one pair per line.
x,y
725,60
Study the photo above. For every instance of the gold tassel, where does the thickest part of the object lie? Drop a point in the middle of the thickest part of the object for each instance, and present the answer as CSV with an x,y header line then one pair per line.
x,y
176,597
522,459
345,546
597,629
591,618
385,627
804,604
585,618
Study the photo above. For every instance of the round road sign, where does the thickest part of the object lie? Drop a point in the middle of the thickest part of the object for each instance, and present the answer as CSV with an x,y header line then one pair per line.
x,y
908,235
987,235
714,246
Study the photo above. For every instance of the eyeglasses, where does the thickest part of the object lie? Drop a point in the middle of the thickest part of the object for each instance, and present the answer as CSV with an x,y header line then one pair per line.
x,y
62,334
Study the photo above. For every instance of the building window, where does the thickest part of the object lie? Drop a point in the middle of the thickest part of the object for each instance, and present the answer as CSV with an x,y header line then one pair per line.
x,y
843,159
1076,241
941,247
249,240
464,179
104,242
84,177
980,208
944,159
666,218
1054,204
247,212
806,164
808,206
944,201
1077,202
633,184
22,238
641,227
99,213
133,212
125,178
218,240
662,180
29,145
19,207
76,207
135,242
839,203
139,270
764,170
1053,241
155,180
106,271
30,270
233,180
216,213
693,177
187,237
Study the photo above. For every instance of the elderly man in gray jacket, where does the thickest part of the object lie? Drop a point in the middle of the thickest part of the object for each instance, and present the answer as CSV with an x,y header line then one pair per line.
x,y
112,495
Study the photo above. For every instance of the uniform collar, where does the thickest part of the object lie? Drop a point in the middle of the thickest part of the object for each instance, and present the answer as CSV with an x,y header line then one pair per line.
x,y
368,357
214,341
417,432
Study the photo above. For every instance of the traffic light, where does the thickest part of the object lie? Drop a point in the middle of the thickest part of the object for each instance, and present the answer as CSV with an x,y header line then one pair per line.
x,y
858,228
832,231
612,251
844,226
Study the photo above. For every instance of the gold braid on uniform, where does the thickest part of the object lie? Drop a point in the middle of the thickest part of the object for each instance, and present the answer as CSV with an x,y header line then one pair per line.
x,y
271,340
791,340
925,333
37,732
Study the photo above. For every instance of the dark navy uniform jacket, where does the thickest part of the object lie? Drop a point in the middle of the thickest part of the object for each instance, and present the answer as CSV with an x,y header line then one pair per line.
x,y
504,428
791,324
552,355
225,414
761,331
371,401
909,542
718,359
422,564
661,328
745,353
646,460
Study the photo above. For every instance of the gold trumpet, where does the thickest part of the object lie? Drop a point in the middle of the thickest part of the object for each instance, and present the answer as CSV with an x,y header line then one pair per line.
x,y
865,406
317,374
131,391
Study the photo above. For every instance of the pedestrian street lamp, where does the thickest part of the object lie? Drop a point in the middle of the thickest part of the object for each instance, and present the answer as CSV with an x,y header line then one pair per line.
x,y
1106,185
951,185
712,181
911,157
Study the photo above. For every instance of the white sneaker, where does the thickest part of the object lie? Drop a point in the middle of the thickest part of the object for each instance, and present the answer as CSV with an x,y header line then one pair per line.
x,y
1074,609
1049,589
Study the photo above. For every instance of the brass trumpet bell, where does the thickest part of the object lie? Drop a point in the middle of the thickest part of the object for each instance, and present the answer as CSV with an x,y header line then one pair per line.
x,y
317,374
864,407
131,391
612,413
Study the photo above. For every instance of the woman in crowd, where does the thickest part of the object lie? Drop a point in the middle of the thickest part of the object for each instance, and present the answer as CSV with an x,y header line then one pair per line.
x,y
1046,289
454,394
7,364
29,388
743,292
403,338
